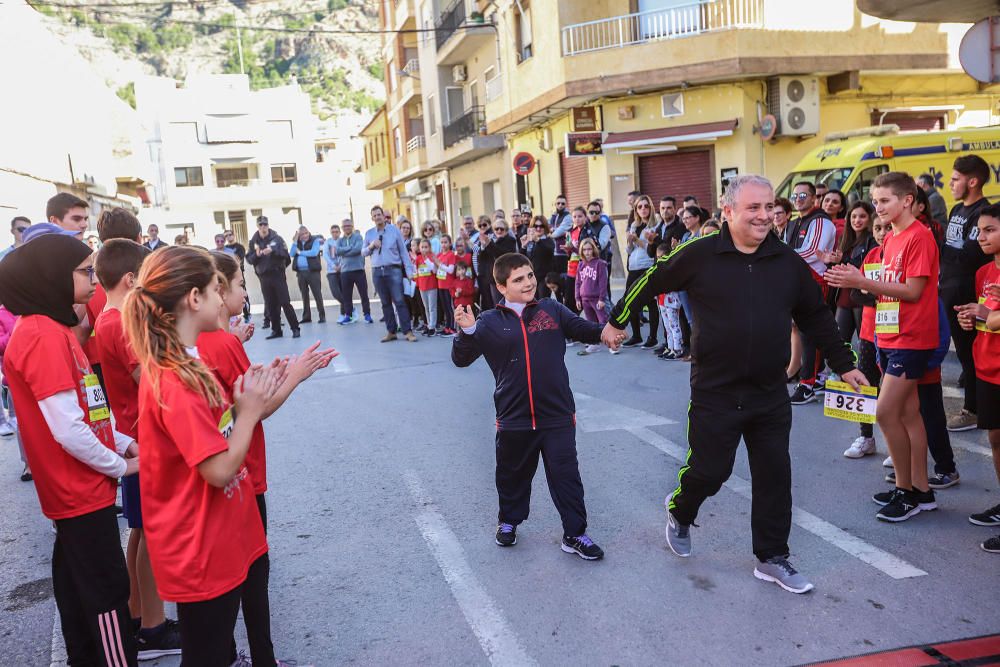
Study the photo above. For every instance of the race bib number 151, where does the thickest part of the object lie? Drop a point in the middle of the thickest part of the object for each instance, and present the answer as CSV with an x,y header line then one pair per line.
x,y
842,402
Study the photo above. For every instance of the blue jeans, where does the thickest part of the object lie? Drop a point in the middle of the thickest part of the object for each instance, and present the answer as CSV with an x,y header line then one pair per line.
x,y
389,286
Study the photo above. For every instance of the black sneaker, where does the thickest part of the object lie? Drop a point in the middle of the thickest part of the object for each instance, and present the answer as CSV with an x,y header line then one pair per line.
x,y
632,342
296,333
803,394
660,349
992,545
583,547
159,642
903,505
925,499
649,344
944,480
990,517
274,334
885,497
891,477
667,355
506,535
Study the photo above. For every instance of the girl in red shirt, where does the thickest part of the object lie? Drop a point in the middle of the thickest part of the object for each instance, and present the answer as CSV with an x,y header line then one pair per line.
x,y
446,260
203,529
427,283
75,454
463,290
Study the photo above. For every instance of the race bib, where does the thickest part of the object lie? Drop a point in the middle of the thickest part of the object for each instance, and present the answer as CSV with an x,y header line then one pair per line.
x,y
226,423
873,272
97,402
887,317
442,274
842,402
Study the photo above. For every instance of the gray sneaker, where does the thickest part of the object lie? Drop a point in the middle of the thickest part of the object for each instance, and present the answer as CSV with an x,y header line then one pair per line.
x,y
781,572
678,536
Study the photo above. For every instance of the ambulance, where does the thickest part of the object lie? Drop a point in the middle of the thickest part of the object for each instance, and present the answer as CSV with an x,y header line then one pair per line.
x,y
850,161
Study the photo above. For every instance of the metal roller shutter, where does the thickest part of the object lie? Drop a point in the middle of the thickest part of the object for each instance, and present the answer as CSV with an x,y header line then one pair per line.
x,y
575,180
678,174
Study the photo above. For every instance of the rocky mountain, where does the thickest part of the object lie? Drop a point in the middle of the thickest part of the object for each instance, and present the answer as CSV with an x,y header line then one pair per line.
x,y
328,46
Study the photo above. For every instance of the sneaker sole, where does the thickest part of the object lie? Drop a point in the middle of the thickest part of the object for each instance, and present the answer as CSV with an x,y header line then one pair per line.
x,y
982,546
944,486
959,429
766,577
879,502
153,654
856,454
571,550
896,519
671,546
977,522
499,544
806,401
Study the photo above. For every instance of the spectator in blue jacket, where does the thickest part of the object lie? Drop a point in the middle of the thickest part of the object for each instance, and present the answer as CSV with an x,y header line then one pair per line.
x,y
390,262
334,265
306,263
352,273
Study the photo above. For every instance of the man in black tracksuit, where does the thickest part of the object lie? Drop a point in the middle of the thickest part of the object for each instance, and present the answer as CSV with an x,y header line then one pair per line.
x,y
746,287
524,342
269,256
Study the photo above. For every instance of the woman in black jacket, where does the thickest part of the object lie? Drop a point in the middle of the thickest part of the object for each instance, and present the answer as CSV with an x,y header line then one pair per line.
x,y
501,243
855,244
540,249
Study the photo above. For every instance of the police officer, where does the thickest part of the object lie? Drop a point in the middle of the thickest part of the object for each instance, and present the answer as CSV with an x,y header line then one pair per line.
x,y
269,257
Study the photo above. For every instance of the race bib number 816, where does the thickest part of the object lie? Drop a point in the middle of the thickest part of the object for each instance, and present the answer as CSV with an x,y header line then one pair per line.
x,y
842,402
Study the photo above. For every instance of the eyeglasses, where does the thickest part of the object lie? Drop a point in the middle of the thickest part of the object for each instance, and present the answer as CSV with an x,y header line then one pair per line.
x,y
560,203
499,229
484,226
538,226
593,212
642,205
20,230
799,195
89,272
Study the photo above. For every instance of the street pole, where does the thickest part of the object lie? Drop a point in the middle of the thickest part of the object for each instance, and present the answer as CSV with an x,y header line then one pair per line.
x,y
239,48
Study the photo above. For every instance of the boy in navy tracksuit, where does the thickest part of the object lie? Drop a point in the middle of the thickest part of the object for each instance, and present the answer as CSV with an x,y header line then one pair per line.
x,y
524,342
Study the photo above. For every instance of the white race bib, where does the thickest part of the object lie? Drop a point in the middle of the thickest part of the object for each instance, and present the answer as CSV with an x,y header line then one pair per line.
x,y
97,403
226,423
887,317
842,402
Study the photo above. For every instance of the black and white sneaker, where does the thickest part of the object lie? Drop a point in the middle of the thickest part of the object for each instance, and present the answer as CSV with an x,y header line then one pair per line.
x,y
650,344
159,642
803,394
632,342
992,545
583,547
506,535
990,517
944,480
885,497
903,505
660,349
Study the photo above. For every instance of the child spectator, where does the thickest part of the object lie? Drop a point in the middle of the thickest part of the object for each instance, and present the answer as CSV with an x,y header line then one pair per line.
x,y
534,331
670,311
75,454
591,287
426,264
445,277
463,289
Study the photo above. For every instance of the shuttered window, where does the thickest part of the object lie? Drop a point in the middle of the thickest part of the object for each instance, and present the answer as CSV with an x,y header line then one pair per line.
x,y
575,180
678,174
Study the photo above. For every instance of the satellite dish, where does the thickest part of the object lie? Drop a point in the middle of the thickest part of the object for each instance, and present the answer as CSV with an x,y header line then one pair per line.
x,y
978,52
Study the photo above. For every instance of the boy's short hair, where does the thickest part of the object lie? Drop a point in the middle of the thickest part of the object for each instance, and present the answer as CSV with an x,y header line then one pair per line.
x,y
973,166
461,265
553,278
116,258
991,211
899,182
809,186
664,248
118,223
60,205
506,264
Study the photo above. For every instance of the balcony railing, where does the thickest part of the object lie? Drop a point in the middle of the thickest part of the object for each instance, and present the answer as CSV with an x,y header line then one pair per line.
x,y
236,182
683,21
412,66
494,88
448,22
416,143
463,127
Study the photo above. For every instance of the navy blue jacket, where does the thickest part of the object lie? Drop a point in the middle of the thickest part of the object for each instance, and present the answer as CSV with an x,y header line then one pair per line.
x,y
526,356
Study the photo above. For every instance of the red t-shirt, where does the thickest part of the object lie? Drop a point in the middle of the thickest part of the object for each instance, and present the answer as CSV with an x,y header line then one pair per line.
x,y
224,354
43,359
202,539
574,258
909,326
94,308
426,278
872,267
986,347
118,362
444,279
468,294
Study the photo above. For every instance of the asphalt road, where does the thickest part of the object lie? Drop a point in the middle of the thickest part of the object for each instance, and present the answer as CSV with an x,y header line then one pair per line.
x,y
382,511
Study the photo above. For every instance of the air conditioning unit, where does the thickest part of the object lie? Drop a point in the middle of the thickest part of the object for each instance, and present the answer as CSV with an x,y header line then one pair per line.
x,y
459,74
794,101
545,143
672,105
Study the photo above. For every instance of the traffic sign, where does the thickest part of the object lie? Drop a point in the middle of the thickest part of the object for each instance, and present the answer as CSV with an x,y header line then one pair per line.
x,y
524,163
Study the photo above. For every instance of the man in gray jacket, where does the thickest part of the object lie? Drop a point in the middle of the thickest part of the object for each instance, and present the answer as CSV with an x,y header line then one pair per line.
x,y
352,272
939,211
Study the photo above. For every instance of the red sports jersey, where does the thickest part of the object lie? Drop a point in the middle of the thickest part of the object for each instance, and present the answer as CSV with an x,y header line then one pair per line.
x,y
43,359
118,362
426,279
94,308
202,539
224,354
445,279
872,268
986,348
909,326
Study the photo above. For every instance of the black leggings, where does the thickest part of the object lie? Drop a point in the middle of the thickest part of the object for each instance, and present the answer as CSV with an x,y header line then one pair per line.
x,y
868,364
849,322
635,318
207,627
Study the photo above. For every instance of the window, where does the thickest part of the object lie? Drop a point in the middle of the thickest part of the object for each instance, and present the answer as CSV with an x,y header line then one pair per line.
x,y
456,103
397,142
465,202
522,30
491,195
284,173
473,94
232,176
187,177
220,218
431,115
861,190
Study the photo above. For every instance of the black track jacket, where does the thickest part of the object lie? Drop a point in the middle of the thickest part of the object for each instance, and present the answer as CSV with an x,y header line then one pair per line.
x,y
743,310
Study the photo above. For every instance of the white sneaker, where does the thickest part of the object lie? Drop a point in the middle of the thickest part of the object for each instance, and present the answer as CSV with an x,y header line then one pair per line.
x,y
618,351
887,463
570,343
592,348
6,429
860,447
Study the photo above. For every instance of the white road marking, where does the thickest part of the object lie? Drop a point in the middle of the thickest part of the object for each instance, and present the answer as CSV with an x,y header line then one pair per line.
x,y
495,636
969,446
952,392
599,414
881,560
340,364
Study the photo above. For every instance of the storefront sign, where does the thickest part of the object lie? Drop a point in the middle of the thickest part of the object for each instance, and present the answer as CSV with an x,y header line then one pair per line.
x,y
584,144
585,119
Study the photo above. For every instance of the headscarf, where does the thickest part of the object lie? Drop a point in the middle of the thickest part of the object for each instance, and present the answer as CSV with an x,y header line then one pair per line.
x,y
37,277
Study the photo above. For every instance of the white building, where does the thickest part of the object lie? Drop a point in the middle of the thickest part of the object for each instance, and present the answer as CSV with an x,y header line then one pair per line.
x,y
224,154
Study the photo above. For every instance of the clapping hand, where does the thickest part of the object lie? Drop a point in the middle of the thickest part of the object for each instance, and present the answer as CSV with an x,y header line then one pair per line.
x,y
242,331
254,389
301,367
967,315
464,317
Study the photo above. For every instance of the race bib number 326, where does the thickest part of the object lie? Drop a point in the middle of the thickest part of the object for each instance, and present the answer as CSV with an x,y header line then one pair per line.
x,y
842,402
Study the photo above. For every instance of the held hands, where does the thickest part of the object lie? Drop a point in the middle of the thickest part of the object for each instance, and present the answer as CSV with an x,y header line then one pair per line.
x,y
968,313
600,305
464,317
612,337
993,291
856,379
132,451
844,275
254,389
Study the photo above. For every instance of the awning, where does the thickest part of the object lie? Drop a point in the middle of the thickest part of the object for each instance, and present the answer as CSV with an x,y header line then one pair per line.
x,y
671,135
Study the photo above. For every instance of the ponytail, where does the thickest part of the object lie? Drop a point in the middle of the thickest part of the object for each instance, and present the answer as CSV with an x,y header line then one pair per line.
x,y
165,278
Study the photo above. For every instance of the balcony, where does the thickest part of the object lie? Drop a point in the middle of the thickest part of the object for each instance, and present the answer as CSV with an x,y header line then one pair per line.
x,y
465,139
464,126
642,27
459,37
494,88
416,143
403,13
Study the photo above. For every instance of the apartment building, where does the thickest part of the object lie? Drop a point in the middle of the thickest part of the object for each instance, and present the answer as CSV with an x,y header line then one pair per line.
x,y
224,155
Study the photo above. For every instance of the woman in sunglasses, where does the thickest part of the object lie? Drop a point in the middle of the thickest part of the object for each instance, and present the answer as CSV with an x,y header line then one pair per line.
x,y
639,262
429,233
492,249
540,250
